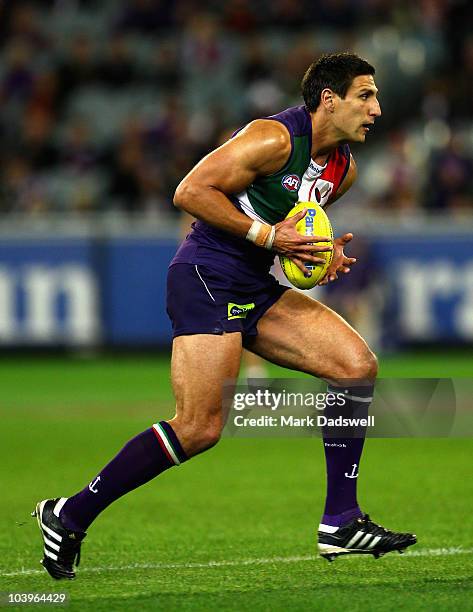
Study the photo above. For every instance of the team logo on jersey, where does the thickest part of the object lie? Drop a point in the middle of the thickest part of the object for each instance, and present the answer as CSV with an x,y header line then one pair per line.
x,y
319,191
321,196
239,311
291,182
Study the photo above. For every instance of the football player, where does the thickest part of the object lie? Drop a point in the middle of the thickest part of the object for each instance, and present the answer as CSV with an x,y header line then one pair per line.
x,y
221,297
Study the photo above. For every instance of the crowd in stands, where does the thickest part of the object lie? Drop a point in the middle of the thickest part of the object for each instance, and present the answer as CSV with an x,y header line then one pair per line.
x,y
106,105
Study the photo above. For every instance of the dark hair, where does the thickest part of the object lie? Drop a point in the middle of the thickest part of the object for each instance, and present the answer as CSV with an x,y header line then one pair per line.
x,y
336,72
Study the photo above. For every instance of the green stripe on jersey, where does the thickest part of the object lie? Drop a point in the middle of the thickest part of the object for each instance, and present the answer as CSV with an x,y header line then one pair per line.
x,y
272,197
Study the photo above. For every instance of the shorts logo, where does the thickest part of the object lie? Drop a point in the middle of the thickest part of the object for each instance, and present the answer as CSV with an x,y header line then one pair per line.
x,y
291,182
239,311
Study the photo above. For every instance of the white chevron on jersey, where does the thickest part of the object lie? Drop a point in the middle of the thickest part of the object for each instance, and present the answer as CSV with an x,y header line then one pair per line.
x,y
314,189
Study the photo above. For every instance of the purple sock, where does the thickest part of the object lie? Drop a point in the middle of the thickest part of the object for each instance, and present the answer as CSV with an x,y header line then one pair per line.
x,y
343,447
145,456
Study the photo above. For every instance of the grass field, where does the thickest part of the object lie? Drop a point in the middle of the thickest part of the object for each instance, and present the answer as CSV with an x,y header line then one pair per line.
x,y
234,529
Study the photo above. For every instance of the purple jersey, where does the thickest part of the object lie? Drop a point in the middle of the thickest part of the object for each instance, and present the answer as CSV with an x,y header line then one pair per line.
x,y
218,282
269,199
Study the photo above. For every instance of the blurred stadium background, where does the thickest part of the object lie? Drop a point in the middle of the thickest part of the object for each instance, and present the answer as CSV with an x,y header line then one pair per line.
x,y
105,105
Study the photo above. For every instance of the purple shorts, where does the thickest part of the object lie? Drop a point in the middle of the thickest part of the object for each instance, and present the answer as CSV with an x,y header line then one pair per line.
x,y
204,300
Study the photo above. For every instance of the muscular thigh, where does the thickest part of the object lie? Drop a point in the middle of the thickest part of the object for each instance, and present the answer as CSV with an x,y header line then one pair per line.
x,y
200,366
300,333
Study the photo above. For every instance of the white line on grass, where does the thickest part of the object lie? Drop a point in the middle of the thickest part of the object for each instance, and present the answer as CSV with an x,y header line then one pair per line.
x,y
422,552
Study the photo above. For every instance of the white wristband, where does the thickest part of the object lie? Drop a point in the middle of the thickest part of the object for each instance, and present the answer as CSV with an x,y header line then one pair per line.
x,y
254,231
269,241
261,234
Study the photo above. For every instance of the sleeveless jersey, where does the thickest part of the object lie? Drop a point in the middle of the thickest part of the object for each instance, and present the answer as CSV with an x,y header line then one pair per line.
x,y
269,199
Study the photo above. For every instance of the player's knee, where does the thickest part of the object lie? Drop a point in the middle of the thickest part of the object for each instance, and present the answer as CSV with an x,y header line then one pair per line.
x,y
366,366
370,365
361,365
209,435
201,435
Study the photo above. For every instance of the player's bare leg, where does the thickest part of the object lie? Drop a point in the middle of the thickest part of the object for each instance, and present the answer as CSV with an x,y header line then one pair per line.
x,y
300,333
253,366
200,366
198,386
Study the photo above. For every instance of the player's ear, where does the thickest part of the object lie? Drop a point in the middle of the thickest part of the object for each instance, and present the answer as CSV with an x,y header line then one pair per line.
x,y
327,99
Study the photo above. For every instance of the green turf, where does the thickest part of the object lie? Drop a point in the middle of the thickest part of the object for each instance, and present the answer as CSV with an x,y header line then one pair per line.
x,y
234,528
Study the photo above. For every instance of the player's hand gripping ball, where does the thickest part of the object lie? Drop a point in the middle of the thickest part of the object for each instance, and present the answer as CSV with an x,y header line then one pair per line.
x,y
315,223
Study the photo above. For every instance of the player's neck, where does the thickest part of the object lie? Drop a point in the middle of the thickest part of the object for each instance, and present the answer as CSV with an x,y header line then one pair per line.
x,y
324,138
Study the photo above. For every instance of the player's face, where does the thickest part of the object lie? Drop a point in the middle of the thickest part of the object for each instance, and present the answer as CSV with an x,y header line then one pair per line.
x,y
356,113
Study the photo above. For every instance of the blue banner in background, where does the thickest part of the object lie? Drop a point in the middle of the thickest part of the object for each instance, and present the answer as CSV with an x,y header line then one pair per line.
x,y
49,292
112,290
134,291
428,287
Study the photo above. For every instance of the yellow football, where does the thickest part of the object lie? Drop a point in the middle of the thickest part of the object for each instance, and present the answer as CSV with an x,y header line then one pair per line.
x,y
314,223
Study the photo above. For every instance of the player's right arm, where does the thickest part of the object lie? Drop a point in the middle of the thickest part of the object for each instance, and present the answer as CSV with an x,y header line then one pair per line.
x,y
261,148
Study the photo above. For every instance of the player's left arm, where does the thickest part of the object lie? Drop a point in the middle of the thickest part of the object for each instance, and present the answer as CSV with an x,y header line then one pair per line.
x,y
340,262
